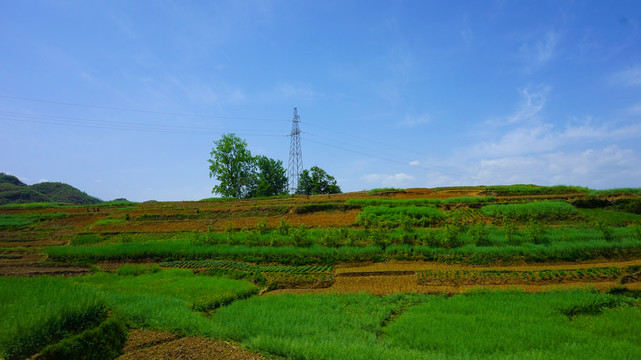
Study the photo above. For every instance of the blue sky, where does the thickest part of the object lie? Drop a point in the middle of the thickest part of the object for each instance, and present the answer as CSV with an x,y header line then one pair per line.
x,y
125,98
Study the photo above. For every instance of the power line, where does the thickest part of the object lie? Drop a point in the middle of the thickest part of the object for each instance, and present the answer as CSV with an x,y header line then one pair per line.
x,y
119,125
382,143
406,163
138,110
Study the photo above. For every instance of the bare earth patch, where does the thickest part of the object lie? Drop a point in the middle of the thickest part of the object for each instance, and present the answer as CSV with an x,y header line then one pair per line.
x,y
148,344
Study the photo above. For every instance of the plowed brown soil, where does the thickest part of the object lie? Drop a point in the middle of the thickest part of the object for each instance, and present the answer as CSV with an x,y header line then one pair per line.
x,y
392,277
146,344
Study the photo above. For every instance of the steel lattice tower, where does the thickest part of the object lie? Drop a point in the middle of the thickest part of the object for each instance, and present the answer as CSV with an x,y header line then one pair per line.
x,y
295,155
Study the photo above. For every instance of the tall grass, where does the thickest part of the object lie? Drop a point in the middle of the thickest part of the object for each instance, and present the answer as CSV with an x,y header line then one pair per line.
x,y
202,293
540,210
553,246
515,325
395,216
315,326
35,312
20,220
186,250
520,190
617,191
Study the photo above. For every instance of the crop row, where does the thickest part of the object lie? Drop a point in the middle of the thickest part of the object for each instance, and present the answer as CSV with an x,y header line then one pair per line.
x,y
225,264
289,280
462,277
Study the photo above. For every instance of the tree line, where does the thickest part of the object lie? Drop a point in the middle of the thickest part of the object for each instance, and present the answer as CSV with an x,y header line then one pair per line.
x,y
242,175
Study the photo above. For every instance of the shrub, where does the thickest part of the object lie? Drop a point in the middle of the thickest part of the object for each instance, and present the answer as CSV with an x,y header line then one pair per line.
x,y
480,234
394,216
591,202
104,342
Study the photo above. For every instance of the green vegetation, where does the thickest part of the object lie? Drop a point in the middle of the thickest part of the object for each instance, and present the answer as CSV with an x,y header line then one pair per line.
x,y
520,190
35,312
379,191
514,325
489,277
224,264
242,175
617,191
419,202
19,221
216,256
104,342
446,245
201,293
315,326
540,210
316,181
386,216
14,191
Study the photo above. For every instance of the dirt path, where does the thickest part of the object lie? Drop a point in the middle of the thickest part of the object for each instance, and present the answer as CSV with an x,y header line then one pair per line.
x,y
148,344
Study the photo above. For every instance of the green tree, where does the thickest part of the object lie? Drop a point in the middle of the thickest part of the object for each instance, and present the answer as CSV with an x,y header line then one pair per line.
x,y
270,179
317,181
232,165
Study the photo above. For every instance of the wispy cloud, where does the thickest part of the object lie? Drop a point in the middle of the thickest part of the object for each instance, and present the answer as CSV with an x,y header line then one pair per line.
x,y
539,52
399,179
304,91
532,102
412,121
627,77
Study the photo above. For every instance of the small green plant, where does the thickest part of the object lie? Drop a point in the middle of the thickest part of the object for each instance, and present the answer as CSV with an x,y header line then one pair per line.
x,y
262,227
299,235
480,234
535,232
283,227
606,230
450,236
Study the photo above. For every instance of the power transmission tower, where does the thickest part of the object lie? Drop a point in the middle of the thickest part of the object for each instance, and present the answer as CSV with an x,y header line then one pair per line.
x,y
295,155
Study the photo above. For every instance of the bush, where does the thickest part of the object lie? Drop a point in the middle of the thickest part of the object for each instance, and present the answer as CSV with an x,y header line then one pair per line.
x,y
591,202
104,342
629,205
396,216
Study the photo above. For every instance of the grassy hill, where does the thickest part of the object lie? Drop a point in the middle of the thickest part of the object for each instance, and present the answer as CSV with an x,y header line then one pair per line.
x,y
14,191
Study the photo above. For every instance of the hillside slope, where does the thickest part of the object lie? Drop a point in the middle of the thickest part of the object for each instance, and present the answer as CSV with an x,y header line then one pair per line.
x,y
14,191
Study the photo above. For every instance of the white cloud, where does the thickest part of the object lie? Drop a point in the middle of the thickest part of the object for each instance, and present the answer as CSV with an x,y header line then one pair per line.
x,y
395,180
628,77
547,137
609,166
415,163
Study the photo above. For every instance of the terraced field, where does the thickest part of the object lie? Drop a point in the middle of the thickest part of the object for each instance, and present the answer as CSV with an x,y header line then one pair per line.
x,y
190,269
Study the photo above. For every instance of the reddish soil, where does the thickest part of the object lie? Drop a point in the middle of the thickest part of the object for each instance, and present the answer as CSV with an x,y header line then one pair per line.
x,y
146,344
398,276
